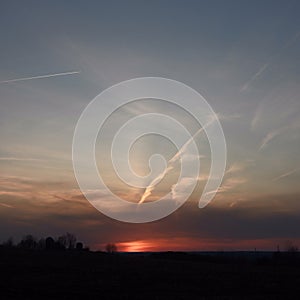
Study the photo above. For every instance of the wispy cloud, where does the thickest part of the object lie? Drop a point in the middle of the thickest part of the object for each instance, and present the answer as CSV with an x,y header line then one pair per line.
x,y
10,158
238,167
229,184
286,174
283,102
285,106
228,117
182,189
258,114
40,77
270,136
254,77
6,205
154,182
234,177
266,65
172,161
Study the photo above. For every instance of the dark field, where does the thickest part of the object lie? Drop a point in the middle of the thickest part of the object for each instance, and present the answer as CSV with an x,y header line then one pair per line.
x,y
96,275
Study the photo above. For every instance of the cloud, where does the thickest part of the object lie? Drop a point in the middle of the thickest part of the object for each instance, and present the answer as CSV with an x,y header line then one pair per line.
x,y
229,185
54,211
233,177
266,65
286,174
238,167
258,114
262,69
282,102
6,205
39,77
182,189
11,158
228,117
285,105
271,135
173,160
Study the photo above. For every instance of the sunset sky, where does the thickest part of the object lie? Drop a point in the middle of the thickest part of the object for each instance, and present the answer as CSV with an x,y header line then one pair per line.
x,y
242,56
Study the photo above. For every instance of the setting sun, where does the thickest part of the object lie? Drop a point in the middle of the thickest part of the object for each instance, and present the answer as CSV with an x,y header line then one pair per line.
x,y
137,246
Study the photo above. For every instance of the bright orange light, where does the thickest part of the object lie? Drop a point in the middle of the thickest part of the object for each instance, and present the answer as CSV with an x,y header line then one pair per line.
x,y
161,244
136,246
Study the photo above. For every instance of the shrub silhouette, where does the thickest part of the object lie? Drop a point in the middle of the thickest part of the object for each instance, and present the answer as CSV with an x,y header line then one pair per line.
x,y
291,247
9,243
41,244
62,241
28,242
79,246
50,244
111,248
70,240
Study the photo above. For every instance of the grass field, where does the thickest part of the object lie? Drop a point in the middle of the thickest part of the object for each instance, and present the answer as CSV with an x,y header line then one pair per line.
x,y
96,275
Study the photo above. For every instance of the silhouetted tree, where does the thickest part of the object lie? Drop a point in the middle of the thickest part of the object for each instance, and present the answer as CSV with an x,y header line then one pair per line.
x,y
79,246
42,243
28,242
291,247
71,240
62,241
66,241
8,243
111,248
50,244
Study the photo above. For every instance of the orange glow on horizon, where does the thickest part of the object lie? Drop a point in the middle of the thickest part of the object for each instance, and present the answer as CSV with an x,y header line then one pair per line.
x,y
137,246
195,244
162,244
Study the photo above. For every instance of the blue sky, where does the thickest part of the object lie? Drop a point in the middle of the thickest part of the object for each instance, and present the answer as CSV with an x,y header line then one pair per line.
x,y
242,56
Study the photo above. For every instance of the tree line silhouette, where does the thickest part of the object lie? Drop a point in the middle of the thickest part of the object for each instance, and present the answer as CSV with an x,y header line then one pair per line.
x,y
67,241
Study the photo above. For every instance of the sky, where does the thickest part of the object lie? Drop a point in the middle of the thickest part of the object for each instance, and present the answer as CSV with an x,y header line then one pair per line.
x,y
242,56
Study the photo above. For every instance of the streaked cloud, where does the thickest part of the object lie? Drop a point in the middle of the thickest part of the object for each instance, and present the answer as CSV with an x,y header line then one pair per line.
x,y
10,158
39,77
6,205
238,166
286,174
262,69
270,136
266,65
173,160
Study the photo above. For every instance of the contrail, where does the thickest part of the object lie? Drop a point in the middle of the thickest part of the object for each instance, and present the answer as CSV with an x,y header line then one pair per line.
x,y
265,66
271,135
171,162
286,174
10,158
40,76
261,70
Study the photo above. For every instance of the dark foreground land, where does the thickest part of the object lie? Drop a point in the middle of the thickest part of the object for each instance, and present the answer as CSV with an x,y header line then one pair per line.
x,y
94,275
